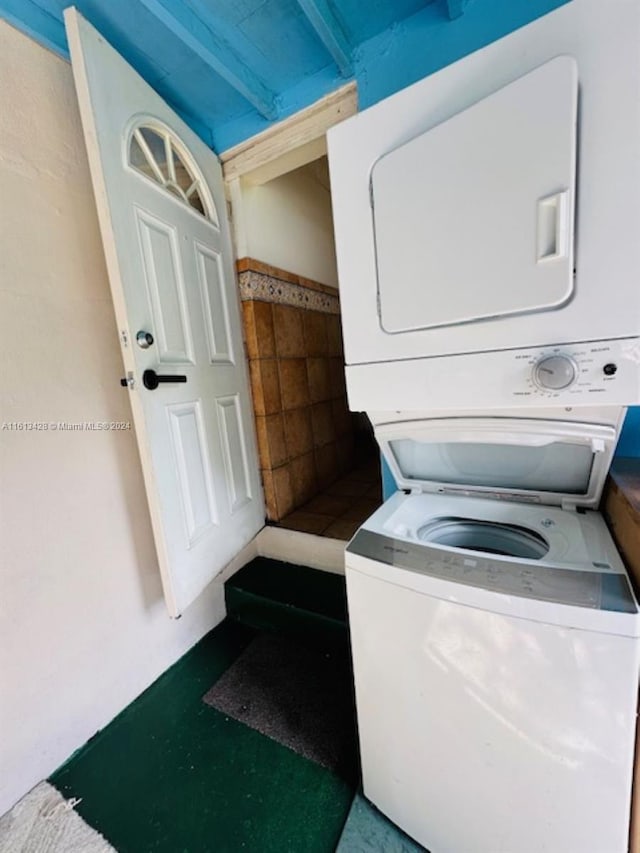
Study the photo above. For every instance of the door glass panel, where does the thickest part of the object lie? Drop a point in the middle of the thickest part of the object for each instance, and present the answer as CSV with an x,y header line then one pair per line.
x,y
155,145
196,202
183,176
155,154
557,467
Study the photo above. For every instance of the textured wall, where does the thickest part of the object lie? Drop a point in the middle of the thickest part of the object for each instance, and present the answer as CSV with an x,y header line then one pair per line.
x,y
83,625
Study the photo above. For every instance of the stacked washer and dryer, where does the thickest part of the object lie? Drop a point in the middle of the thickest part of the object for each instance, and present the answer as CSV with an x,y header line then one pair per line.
x,y
491,313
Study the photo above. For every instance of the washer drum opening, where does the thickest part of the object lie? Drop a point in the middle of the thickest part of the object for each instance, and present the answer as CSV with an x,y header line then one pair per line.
x,y
509,540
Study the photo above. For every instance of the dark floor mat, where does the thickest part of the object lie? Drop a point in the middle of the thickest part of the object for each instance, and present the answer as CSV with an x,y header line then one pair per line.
x,y
299,696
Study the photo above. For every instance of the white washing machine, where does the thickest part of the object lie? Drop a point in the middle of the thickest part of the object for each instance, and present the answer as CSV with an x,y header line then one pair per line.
x,y
496,637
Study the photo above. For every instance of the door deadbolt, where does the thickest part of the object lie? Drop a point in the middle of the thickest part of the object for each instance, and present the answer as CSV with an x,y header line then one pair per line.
x,y
144,339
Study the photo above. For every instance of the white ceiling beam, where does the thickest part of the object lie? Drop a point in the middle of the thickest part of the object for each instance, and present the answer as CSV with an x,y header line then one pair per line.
x,y
330,32
219,56
262,155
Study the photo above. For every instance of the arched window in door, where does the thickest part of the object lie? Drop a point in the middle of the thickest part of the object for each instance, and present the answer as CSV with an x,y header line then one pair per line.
x,y
160,156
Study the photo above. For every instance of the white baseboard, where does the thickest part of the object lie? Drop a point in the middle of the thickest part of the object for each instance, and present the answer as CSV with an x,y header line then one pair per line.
x,y
305,549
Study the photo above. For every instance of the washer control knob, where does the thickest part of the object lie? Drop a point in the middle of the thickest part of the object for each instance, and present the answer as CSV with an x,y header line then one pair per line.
x,y
555,372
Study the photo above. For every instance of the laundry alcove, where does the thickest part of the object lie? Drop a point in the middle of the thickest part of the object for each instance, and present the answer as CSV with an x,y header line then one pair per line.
x,y
319,467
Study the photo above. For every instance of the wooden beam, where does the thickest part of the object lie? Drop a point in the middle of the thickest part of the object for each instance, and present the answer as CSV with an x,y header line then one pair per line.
x,y
219,56
330,32
456,8
250,158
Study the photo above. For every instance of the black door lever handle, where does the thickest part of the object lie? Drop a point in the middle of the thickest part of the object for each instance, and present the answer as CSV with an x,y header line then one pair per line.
x,y
151,380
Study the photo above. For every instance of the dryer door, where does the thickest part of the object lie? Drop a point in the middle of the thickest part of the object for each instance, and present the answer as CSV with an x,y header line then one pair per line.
x,y
474,219
548,462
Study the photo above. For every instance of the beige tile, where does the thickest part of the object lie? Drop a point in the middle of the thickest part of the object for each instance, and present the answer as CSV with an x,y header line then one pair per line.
x,y
315,333
318,374
334,335
328,505
342,421
271,441
322,424
265,386
375,492
343,455
283,490
258,328
344,450
304,480
248,329
287,324
276,440
305,522
368,472
263,325
345,487
294,385
341,529
269,495
297,431
326,465
337,382
263,447
360,510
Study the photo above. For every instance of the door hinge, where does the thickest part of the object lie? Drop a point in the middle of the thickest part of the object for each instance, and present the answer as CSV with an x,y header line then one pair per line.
x,y
124,337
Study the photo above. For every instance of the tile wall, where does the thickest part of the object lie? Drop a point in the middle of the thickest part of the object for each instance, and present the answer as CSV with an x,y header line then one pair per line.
x,y
294,346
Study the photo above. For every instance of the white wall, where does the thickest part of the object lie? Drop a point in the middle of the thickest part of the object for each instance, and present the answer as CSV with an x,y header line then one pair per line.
x,y
83,626
288,223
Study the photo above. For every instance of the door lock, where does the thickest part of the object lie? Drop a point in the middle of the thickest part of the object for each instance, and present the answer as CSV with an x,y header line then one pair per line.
x,y
128,381
144,339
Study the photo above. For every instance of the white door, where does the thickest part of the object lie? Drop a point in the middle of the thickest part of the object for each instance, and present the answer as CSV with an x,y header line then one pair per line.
x,y
162,212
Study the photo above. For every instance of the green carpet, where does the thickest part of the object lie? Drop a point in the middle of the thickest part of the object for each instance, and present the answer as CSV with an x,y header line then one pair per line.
x,y
173,774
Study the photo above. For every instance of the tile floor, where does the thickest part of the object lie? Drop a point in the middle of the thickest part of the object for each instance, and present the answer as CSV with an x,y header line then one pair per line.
x,y
342,507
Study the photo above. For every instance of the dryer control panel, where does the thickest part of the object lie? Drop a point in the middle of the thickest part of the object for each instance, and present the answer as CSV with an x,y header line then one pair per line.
x,y
595,373
564,373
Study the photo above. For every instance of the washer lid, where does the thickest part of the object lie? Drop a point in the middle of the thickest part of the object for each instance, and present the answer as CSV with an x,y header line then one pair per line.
x,y
550,462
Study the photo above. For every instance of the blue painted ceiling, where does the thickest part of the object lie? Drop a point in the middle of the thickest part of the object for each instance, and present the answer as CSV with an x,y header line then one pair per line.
x,y
229,67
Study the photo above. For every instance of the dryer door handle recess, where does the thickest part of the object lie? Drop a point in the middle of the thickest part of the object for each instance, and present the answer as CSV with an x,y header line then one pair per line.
x,y
553,227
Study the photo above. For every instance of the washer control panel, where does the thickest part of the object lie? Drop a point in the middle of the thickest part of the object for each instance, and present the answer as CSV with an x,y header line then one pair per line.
x,y
597,586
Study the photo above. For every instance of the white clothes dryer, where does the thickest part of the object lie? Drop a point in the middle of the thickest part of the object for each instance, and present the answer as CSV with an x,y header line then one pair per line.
x,y
496,638
482,262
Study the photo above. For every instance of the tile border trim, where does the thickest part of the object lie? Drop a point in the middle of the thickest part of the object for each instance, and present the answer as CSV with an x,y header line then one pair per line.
x,y
270,284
